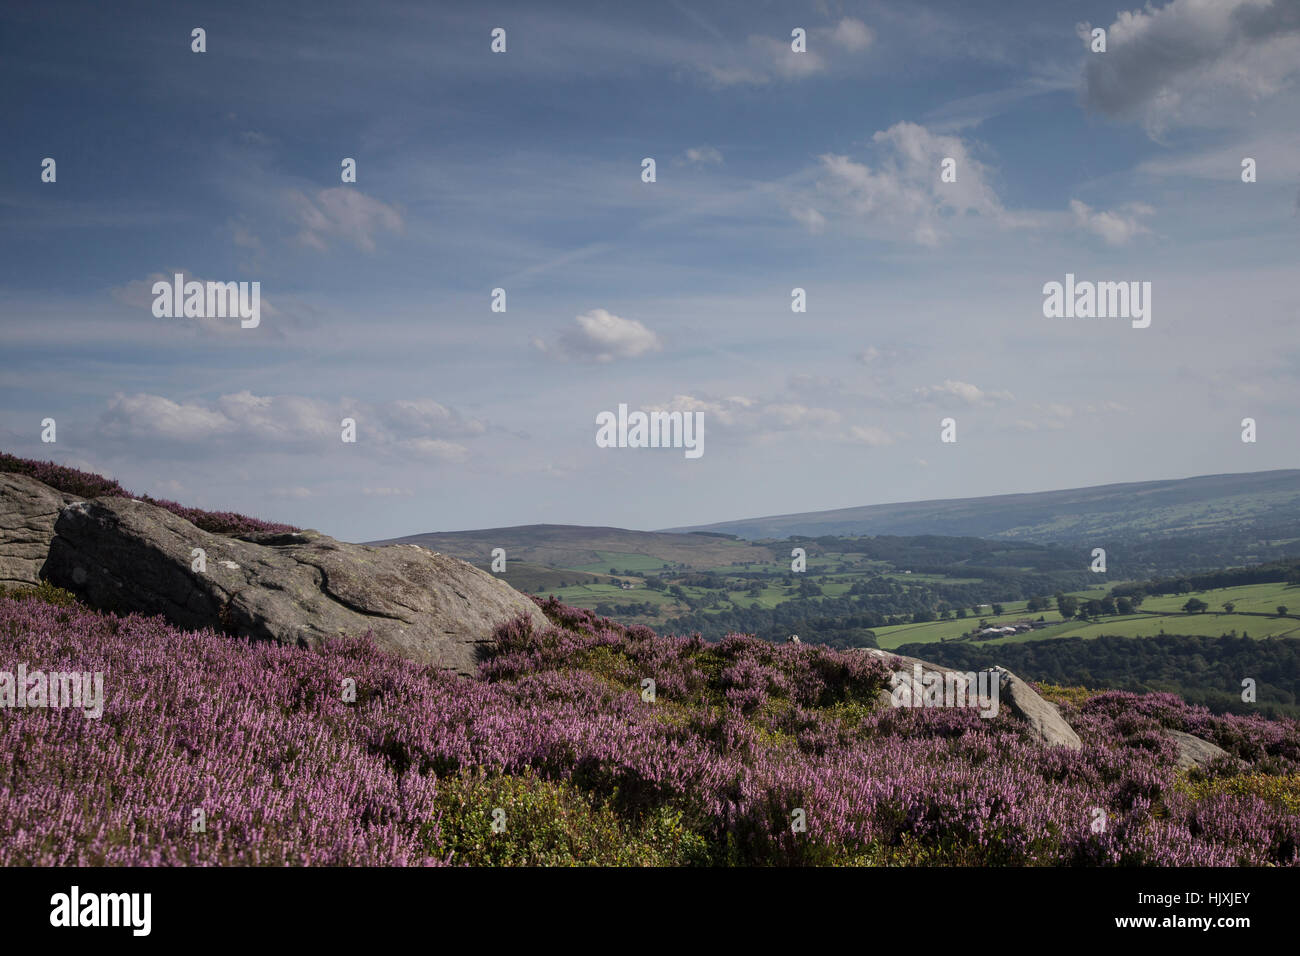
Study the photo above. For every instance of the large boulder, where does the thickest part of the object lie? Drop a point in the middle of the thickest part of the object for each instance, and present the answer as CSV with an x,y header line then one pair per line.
x,y
1040,717
123,555
1196,752
28,510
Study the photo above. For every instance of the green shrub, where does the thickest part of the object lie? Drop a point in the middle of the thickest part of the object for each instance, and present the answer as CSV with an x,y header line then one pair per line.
x,y
551,823
45,591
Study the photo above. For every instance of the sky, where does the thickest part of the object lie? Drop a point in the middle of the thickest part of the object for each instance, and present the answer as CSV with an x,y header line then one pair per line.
x,y
522,170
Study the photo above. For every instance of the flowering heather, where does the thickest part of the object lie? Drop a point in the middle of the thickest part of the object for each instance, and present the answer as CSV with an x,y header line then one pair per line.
x,y
556,734
85,484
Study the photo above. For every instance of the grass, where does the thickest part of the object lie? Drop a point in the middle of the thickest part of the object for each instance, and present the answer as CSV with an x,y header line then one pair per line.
x,y
623,561
1255,613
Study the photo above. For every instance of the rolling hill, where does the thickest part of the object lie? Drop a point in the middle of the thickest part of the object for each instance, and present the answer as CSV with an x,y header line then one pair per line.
x,y
591,549
1184,507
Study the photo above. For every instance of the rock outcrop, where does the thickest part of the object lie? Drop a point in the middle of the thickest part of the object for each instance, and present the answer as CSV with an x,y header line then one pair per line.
x,y
28,510
1195,752
1040,717
124,555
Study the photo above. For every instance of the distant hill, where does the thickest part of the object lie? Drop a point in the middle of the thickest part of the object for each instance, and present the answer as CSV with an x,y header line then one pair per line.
x,y
1266,502
590,549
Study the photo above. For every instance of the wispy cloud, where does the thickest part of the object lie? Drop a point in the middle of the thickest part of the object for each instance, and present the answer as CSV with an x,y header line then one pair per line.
x,y
343,213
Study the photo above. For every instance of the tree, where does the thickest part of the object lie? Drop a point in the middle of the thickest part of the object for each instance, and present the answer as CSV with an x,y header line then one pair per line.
x,y
997,610
1068,606
1195,606
1229,607
1123,606
1281,610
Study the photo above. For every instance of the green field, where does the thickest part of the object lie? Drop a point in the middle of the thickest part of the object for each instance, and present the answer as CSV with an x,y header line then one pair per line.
x,y
934,631
1252,598
1254,614
623,561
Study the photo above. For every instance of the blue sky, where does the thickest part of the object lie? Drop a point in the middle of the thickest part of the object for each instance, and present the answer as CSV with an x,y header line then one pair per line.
x,y
522,170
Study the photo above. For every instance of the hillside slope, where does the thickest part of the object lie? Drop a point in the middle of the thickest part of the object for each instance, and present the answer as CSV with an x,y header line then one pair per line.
x,y
741,738
1184,506
589,548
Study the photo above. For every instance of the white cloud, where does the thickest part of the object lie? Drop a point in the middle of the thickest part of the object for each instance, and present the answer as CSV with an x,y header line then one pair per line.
x,y
801,416
1116,226
765,59
387,492
730,411
870,435
1193,62
434,448
903,189
420,428
776,57
138,294
344,213
602,336
142,416
873,356
1057,416
961,391
814,221
853,35
703,155
742,417
425,416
